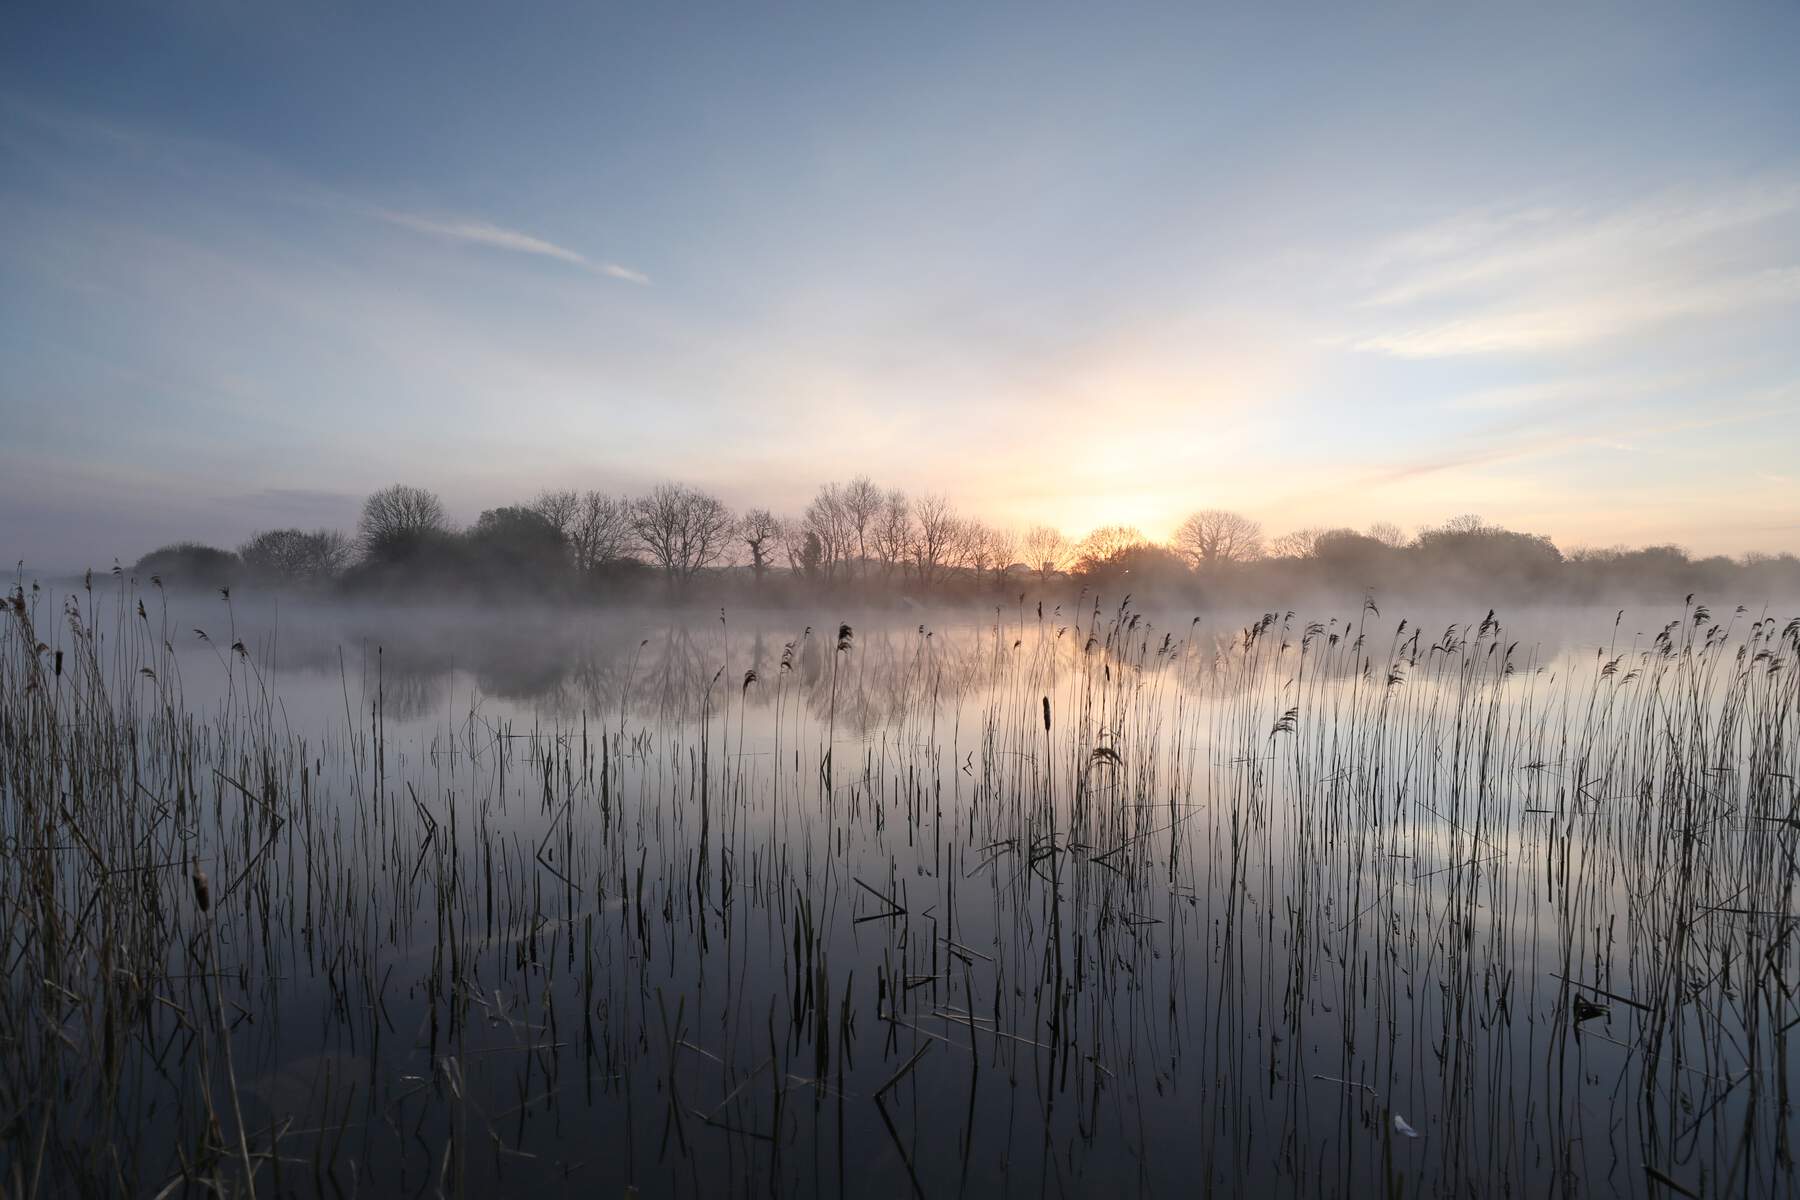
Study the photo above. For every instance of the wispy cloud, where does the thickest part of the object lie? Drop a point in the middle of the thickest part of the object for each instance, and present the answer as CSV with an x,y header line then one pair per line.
x,y
1453,475
1556,324
481,233
615,271
1583,390
1468,250
1544,278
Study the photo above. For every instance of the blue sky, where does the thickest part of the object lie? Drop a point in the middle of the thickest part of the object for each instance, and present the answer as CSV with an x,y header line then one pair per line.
x,y
1325,268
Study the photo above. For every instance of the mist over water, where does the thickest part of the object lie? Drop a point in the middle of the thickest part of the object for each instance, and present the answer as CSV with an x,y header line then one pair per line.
x,y
975,899
918,601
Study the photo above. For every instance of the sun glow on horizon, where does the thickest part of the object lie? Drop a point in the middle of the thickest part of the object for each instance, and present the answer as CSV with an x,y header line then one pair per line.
x,y
1396,293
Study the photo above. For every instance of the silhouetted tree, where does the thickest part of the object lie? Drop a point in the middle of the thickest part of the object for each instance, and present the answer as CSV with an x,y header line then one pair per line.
x,y
563,535
1361,560
828,518
601,531
1133,566
559,507
1767,575
1104,544
1662,571
188,564
759,531
1464,548
1298,544
1046,550
969,546
682,529
806,554
792,539
893,531
862,505
398,521
1002,545
1214,537
936,529
1466,523
518,545
296,555
1388,534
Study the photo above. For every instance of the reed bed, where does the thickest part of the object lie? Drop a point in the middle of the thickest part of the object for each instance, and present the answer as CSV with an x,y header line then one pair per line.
x,y
1057,904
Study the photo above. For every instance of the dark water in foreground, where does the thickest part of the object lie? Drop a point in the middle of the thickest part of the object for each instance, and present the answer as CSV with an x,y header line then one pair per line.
x,y
1017,904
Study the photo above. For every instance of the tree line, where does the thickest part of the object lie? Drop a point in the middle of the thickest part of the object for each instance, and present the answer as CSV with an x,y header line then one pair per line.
x,y
880,542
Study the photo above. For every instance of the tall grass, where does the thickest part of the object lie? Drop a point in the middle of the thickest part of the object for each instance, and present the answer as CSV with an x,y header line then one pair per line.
x,y
1058,903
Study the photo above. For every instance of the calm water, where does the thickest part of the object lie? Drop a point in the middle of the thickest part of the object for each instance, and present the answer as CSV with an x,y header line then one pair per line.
x,y
1085,903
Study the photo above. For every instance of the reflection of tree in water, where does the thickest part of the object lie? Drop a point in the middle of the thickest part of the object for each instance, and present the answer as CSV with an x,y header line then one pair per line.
x,y
408,693
887,674
668,673
680,669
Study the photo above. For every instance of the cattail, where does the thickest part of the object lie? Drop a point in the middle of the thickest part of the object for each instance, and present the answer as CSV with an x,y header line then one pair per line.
x,y
202,890
1046,714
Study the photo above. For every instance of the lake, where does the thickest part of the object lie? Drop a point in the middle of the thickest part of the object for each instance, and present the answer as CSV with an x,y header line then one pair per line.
x,y
1071,899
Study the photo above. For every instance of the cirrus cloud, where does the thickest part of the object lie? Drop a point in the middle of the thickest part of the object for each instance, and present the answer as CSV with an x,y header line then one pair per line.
x,y
482,233
1549,278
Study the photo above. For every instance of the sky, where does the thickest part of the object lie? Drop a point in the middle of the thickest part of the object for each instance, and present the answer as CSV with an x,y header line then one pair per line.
x,y
1083,265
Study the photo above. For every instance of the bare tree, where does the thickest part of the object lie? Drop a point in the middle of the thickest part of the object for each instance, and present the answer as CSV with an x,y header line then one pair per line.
x,y
1388,534
682,529
862,505
296,555
561,508
759,530
1301,543
1213,537
1002,545
935,530
601,530
397,519
1045,549
331,550
805,553
829,519
970,545
893,531
1106,542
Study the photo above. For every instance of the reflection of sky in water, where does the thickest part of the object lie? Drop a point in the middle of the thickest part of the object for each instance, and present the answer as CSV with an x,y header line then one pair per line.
x,y
1383,892
562,664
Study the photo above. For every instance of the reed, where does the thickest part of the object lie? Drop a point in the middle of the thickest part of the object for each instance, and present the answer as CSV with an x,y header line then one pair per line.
x,y
1057,902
